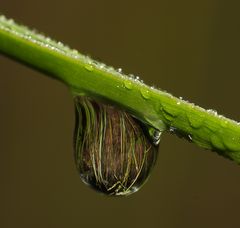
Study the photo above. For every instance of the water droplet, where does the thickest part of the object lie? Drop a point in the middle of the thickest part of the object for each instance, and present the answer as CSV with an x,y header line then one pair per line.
x,y
128,84
158,123
145,93
167,116
3,18
119,70
195,121
172,129
169,112
88,67
213,112
232,143
217,142
154,134
60,44
75,53
48,39
224,123
131,76
190,138
113,152
101,65
136,79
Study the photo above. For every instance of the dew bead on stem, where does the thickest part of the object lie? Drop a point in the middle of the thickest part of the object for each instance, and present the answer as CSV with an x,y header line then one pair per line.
x,y
113,153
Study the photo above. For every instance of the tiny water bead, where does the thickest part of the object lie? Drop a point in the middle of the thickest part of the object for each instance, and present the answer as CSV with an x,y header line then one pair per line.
x,y
88,67
217,142
114,153
154,135
128,84
145,93
195,121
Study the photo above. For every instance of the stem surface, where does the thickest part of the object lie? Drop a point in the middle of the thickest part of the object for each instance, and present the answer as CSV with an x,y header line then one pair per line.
x,y
85,76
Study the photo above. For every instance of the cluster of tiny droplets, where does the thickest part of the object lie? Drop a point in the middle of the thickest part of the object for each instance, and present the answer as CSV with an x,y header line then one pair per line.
x,y
145,94
33,36
209,111
23,32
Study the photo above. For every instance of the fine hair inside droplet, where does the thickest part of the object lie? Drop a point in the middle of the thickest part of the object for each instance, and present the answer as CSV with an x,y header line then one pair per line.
x,y
113,153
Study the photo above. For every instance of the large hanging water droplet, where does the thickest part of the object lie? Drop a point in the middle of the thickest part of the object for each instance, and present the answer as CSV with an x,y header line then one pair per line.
x,y
113,152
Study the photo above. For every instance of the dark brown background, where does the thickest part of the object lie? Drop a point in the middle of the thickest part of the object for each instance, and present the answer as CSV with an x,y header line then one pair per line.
x,y
189,48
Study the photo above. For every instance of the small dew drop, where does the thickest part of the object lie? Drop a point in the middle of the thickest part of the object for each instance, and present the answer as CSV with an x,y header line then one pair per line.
x,y
136,79
172,129
3,18
154,134
75,52
224,123
190,137
169,112
119,70
195,120
11,21
60,44
213,112
88,67
167,116
217,142
132,76
128,84
145,93
232,143
156,137
101,65
48,39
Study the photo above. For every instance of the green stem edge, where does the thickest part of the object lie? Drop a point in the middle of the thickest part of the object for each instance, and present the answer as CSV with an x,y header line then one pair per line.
x,y
88,77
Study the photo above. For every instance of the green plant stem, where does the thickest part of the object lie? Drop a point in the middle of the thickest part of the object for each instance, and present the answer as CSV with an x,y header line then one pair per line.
x,y
85,76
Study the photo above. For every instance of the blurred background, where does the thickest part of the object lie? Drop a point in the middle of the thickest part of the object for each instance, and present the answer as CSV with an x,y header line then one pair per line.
x,y
189,48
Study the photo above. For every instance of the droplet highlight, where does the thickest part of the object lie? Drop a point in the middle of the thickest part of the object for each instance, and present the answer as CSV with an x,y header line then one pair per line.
x,y
113,153
119,70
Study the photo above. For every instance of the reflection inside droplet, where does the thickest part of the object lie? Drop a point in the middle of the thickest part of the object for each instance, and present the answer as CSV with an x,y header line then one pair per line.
x,y
113,152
